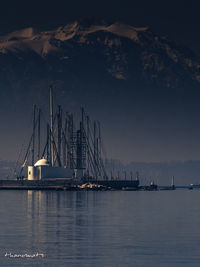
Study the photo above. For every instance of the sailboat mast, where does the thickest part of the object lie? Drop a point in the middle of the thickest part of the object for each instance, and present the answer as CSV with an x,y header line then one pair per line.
x,y
59,129
88,144
38,156
51,127
33,142
172,181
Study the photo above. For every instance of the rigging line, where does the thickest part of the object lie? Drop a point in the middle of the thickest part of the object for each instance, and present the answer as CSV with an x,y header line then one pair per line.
x,y
54,144
101,161
68,144
100,166
27,152
17,161
94,162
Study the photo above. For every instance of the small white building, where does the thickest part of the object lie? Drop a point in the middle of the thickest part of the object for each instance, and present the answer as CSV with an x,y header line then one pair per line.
x,y
43,170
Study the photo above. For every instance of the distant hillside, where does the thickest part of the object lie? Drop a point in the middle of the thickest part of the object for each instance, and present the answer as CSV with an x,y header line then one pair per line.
x,y
6,169
184,172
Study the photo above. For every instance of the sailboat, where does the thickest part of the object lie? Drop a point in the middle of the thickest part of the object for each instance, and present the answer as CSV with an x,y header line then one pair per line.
x,y
171,187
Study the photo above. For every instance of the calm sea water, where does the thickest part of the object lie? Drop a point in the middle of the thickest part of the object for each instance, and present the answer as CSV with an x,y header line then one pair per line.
x,y
100,228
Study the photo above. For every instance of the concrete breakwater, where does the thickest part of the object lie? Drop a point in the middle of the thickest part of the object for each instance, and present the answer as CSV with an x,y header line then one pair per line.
x,y
65,184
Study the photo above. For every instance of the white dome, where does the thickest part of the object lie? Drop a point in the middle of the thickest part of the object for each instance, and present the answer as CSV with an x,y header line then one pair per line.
x,y
42,162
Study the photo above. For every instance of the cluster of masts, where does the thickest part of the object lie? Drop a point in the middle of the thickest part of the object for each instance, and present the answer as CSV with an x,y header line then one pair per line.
x,y
67,146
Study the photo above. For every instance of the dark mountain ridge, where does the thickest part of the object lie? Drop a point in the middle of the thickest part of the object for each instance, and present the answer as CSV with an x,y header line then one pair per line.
x,y
123,51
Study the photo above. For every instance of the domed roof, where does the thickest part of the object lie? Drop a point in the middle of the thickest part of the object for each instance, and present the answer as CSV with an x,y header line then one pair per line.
x,y
42,162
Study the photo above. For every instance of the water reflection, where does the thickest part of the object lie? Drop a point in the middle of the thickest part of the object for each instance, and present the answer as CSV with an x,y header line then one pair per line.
x,y
57,218
102,228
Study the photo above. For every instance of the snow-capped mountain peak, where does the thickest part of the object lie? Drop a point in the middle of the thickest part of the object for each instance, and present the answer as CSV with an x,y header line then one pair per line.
x,y
122,51
40,41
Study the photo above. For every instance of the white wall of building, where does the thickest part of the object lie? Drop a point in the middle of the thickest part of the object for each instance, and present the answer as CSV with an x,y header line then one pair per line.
x,y
46,172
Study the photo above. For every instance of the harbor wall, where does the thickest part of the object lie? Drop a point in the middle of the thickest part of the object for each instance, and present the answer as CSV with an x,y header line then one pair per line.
x,y
62,183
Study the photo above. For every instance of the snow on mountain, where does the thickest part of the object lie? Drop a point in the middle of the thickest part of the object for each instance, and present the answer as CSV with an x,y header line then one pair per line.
x,y
123,51
40,42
